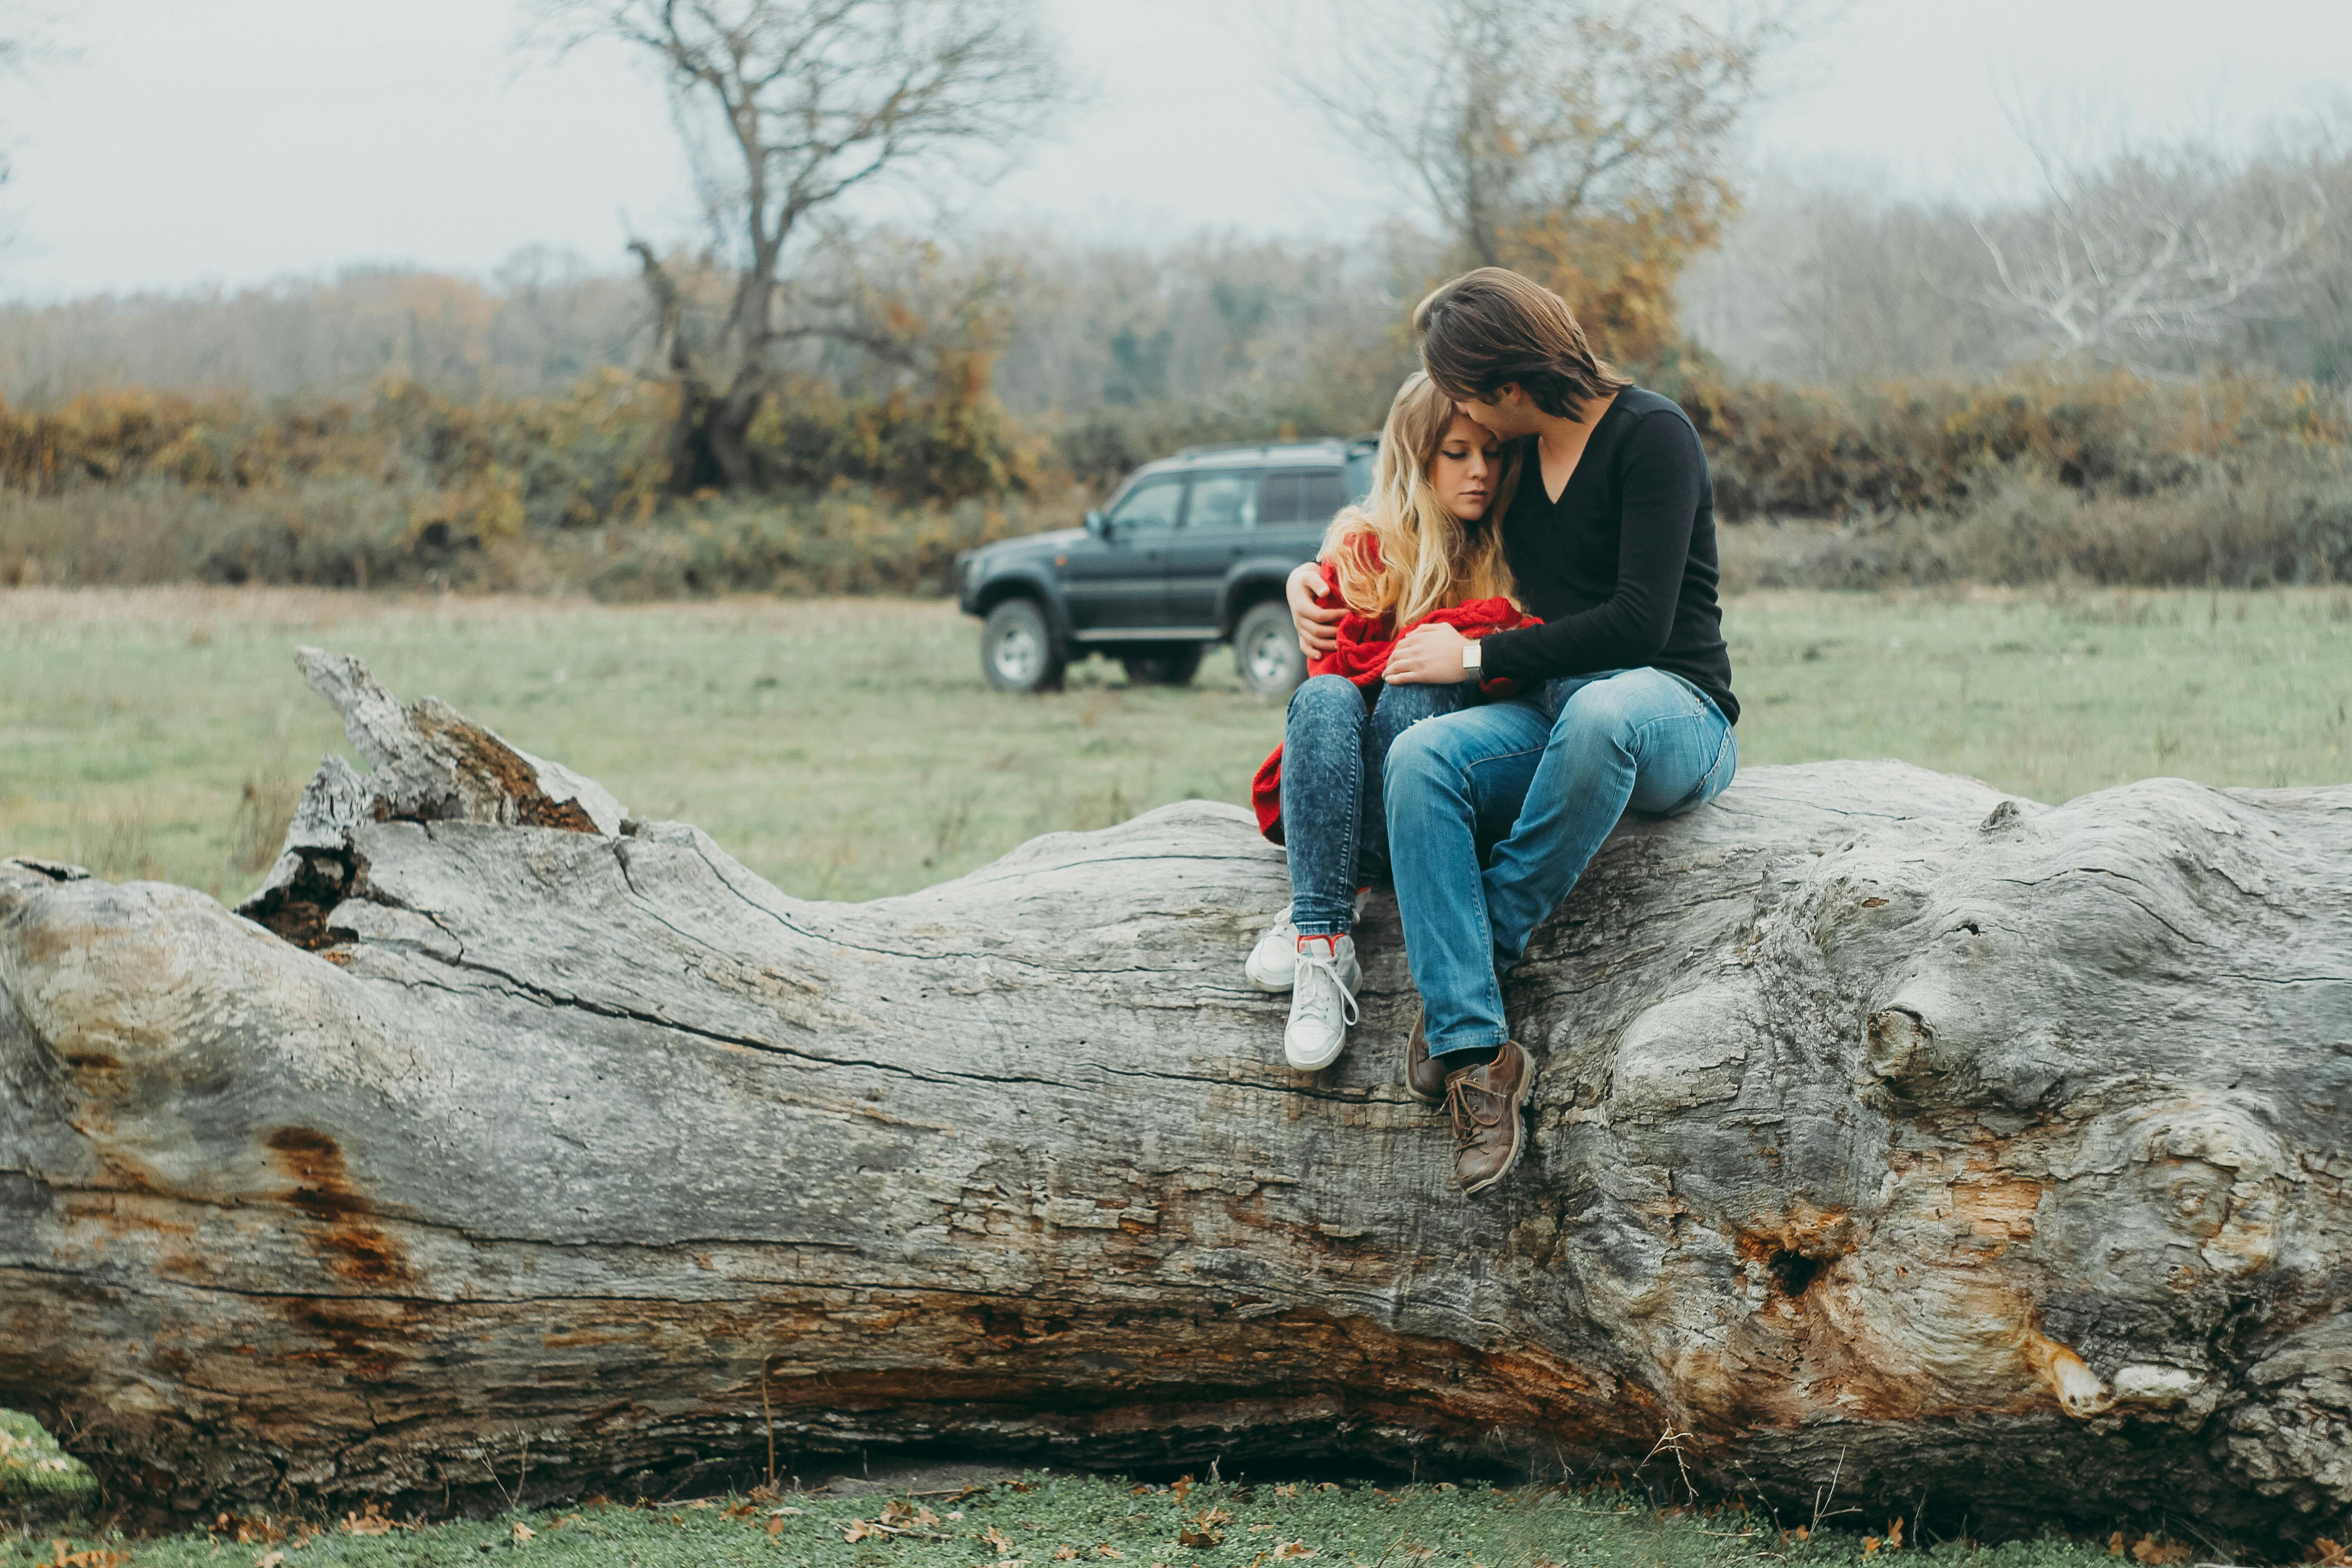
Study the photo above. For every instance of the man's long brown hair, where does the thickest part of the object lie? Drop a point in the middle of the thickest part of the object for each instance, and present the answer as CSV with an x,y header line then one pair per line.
x,y
1489,329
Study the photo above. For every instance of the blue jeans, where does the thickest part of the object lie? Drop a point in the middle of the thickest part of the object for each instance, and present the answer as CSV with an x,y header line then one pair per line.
x,y
1333,823
1546,774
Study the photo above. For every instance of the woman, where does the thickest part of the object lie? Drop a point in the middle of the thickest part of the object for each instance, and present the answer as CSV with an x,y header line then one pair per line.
x,y
1421,550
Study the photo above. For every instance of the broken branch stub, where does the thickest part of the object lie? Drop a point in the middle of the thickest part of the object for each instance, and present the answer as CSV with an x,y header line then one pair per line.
x,y
427,762
1886,1123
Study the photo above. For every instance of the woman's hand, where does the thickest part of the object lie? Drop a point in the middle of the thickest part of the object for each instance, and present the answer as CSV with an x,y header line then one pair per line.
x,y
1318,628
1429,655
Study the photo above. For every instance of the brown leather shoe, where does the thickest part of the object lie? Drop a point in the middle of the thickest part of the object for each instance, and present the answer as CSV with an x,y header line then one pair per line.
x,y
1423,1079
1490,1135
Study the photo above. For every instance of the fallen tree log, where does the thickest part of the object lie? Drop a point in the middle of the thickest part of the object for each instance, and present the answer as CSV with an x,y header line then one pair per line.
x,y
1888,1127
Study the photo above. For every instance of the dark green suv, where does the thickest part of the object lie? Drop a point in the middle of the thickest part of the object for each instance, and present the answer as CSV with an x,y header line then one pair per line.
x,y
1191,551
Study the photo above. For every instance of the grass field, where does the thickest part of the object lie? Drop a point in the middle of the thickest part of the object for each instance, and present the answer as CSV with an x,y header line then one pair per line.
x,y
1040,1521
847,748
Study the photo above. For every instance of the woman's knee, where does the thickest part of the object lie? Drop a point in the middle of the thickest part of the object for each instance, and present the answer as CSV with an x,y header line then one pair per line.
x,y
1327,693
1401,707
1420,763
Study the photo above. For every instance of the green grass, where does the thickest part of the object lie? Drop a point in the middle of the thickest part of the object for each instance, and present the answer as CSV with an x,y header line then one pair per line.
x,y
1042,1521
34,1469
847,748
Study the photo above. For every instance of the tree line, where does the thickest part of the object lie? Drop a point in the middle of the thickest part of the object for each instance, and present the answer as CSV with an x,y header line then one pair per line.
x,y
2152,318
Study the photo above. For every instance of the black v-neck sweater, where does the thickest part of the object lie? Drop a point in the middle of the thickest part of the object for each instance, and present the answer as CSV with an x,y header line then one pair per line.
x,y
1621,568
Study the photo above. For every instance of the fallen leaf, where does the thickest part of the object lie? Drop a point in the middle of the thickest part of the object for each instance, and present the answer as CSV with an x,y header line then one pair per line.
x,y
269,1560
1198,1537
1216,1515
775,1526
998,1539
1108,1550
2157,1552
1182,1485
369,1522
1285,1491
1066,1553
567,1519
2116,1545
1871,1544
1895,1533
522,1532
2326,1553
1326,1485
858,1530
1293,1548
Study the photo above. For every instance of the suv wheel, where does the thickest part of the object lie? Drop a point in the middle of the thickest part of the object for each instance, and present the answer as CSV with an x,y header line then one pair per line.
x,y
1018,651
1163,663
1266,652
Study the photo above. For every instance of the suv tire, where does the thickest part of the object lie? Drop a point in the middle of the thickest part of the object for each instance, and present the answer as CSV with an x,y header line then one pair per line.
x,y
1266,650
1018,650
1163,663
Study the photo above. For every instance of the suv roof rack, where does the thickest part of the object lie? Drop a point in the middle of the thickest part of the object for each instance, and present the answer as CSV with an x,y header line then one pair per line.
x,y
1207,448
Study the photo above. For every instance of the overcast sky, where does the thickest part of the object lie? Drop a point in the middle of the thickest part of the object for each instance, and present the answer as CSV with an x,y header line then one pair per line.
x,y
193,142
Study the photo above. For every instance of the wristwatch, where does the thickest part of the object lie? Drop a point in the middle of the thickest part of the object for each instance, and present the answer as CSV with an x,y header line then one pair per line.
x,y
1471,656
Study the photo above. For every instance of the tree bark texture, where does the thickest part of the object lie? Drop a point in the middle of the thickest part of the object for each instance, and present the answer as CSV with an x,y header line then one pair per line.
x,y
1887,1126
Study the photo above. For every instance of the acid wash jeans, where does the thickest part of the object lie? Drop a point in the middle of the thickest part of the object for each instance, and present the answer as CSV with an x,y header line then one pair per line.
x,y
1543,778
1333,825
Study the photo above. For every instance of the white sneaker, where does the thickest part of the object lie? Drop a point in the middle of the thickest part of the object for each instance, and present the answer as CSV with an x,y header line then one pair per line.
x,y
1322,1001
1274,961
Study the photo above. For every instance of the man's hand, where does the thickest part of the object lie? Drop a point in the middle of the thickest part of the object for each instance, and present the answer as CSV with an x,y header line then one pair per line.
x,y
1318,628
1429,655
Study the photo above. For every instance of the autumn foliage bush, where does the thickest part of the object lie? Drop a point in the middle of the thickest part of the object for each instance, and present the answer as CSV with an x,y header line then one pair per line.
x,y
408,485
2236,482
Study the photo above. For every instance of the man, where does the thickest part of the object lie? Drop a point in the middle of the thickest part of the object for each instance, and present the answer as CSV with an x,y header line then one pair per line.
x,y
1626,686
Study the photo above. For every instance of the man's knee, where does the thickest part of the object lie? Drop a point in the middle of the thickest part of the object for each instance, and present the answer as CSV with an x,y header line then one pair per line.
x,y
1611,712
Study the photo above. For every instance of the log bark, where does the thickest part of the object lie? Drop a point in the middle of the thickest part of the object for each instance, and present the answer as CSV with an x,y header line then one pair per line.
x,y
1888,1127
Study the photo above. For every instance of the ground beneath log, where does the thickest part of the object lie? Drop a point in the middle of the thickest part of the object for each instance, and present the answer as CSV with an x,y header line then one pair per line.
x,y
968,1516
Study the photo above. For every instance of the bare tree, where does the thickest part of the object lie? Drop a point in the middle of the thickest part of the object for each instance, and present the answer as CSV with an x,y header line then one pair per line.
x,y
1580,137
2132,258
788,106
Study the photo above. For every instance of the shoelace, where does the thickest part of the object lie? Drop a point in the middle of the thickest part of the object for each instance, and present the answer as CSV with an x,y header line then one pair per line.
x,y
1463,1110
1323,959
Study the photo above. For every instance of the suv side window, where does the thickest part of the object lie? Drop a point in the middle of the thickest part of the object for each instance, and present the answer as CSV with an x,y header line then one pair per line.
x,y
1222,501
1153,504
1301,496
1322,495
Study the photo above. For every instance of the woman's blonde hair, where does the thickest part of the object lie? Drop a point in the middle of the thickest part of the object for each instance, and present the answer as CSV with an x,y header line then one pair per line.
x,y
1428,559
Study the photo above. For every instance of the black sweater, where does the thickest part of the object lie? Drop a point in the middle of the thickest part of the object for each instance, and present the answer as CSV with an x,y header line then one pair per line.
x,y
1621,568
